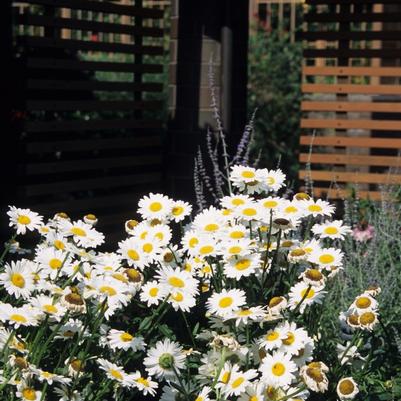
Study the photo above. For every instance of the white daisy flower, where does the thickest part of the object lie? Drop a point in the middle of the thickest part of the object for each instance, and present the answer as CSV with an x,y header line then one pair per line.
x,y
278,369
249,211
241,266
246,315
17,279
317,208
152,293
273,338
180,210
53,261
181,300
238,382
332,229
177,280
226,302
163,357
326,257
24,219
273,180
22,316
27,393
254,392
294,340
307,294
270,204
49,377
69,329
48,307
114,372
118,339
114,291
204,394
144,384
363,303
234,201
131,250
82,233
314,376
347,388
155,206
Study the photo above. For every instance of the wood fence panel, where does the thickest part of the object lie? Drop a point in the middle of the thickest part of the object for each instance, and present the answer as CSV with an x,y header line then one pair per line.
x,y
85,116
352,97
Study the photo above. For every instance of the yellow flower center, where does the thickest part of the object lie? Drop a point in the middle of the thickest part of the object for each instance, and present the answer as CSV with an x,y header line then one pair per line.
x,y
110,291
178,297
47,375
346,387
177,210
126,337
291,209
237,202
275,301
153,292
176,282
206,249
143,235
225,302
313,274
50,308
193,242
199,398
289,339
297,252
159,236
23,219
270,204
120,277
116,374
55,263
29,394
237,234
331,230
235,249
155,206
326,258
132,254
315,374
270,180
237,382
211,227
147,248
59,244
18,318
308,293
142,381
272,336
78,231
314,208
253,398
226,377
18,280
367,318
363,302
248,174
278,369
244,312
242,264
249,211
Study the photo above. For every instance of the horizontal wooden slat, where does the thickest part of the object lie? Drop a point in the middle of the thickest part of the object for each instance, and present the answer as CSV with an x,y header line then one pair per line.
x,y
358,142
92,164
350,88
58,126
352,17
89,144
83,25
353,71
47,84
333,193
353,178
352,1
350,53
380,125
51,64
101,6
351,106
88,204
49,43
89,105
349,35
88,184
350,159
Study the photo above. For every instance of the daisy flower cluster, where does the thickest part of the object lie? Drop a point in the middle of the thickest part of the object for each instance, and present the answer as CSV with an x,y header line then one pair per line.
x,y
221,305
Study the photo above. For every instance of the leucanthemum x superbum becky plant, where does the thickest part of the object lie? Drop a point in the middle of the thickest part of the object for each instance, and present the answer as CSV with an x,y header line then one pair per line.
x,y
229,311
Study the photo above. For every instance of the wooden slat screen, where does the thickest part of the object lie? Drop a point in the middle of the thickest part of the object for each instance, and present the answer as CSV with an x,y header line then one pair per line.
x,y
352,96
86,106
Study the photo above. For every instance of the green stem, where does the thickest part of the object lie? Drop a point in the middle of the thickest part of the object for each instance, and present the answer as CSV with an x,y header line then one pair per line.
x,y
188,328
